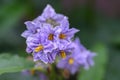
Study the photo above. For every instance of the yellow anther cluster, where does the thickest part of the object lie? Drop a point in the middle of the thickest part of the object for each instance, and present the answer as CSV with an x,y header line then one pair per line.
x,y
62,36
63,54
39,48
71,61
51,37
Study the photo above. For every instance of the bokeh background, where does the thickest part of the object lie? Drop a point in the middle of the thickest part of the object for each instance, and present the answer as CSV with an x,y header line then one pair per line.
x,y
98,21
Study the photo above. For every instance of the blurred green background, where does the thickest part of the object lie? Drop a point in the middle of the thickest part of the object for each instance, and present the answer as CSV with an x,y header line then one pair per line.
x,y
98,21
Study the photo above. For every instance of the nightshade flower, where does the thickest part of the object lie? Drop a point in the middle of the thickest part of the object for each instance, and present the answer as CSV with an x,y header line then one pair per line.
x,y
50,16
65,34
60,33
86,56
65,49
70,63
50,32
80,57
32,28
40,47
52,56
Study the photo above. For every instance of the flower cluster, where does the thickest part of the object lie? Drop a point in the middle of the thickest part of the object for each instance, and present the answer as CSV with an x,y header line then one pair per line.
x,y
80,57
49,36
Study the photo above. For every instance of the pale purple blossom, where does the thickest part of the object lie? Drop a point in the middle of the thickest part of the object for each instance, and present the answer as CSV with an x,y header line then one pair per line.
x,y
64,49
72,66
87,56
65,33
32,28
50,16
50,32
40,47
80,57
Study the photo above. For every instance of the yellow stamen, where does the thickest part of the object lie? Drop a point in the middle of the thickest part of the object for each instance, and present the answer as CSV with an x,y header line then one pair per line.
x,y
63,54
39,48
51,37
62,36
71,61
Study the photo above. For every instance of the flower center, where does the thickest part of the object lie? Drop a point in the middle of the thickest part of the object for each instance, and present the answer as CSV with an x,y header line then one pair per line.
x,y
71,61
51,37
62,36
52,22
39,48
63,54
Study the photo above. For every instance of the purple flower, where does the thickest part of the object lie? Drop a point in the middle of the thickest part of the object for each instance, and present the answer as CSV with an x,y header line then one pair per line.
x,y
88,61
52,56
64,33
64,49
50,16
32,28
50,32
86,56
40,47
80,57
70,63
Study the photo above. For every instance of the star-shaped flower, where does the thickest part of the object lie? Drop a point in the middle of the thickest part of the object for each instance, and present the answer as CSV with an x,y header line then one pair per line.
x,y
50,16
40,47
80,57
32,28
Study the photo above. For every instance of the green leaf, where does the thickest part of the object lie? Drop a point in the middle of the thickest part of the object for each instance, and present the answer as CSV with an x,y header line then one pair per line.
x,y
13,63
98,70
18,76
